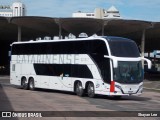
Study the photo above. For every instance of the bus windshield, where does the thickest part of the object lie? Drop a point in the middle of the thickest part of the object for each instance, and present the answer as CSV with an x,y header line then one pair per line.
x,y
128,72
122,47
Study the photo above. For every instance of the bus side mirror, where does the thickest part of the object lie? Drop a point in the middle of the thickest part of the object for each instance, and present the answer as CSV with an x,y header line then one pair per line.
x,y
115,61
149,63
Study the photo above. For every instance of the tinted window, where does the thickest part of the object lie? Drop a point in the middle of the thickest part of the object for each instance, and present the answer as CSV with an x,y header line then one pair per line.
x,y
123,47
103,65
128,72
71,70
69,47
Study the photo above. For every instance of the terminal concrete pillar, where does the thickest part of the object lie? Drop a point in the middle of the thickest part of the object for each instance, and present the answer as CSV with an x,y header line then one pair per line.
x,y
149,54
143,45
103,26
103,30
60,30
19,33
60,27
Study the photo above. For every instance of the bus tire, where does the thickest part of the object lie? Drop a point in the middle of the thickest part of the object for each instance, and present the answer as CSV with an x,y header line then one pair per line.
x,y
90,90
31,84
79,89
24,83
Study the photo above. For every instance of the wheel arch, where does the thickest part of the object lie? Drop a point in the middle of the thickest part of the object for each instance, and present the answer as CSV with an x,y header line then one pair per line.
x,y
87,83
30,78
23,78
75,82
31,83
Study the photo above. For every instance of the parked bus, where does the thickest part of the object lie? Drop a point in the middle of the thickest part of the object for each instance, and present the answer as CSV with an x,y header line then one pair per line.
x,y
154,57
95,65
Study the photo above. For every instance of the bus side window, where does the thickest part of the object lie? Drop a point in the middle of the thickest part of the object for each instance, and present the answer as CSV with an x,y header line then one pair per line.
x,y
13,67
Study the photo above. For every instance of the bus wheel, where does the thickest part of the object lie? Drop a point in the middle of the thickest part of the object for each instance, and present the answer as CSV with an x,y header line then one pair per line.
x,y
79,89
24,83
31,84
90,90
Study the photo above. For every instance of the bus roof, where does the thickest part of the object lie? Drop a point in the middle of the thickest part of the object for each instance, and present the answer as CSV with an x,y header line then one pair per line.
x,y
114,38
108,38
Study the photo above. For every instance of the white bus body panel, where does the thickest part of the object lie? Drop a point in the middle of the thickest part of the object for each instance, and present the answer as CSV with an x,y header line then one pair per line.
x,y
65,82
23,65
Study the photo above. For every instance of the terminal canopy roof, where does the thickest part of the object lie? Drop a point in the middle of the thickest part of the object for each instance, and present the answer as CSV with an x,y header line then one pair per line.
x,y
33,27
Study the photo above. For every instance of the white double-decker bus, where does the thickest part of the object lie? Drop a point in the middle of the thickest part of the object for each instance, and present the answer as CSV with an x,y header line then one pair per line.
x,y
95,65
